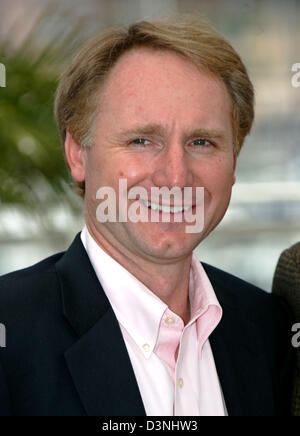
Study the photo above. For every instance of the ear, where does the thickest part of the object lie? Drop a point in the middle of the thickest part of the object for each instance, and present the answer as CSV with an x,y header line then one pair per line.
x,y
75,159
234,168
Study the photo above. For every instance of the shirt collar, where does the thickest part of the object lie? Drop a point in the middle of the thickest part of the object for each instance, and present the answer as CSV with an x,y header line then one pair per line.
x,y
139,310
206,310
201,292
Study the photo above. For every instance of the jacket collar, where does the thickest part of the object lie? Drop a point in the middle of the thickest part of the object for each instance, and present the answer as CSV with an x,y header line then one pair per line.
x,y
98,361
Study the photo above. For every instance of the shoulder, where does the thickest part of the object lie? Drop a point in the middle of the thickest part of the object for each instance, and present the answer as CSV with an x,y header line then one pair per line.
x,y
233,284
40,267
288,267
289,261
251,301
290,257
286,280
32,272
254,313
22,288
36,331
31,311
294,251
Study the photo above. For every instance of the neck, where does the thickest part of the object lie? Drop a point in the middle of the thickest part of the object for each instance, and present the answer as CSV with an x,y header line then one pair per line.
x,y
168,281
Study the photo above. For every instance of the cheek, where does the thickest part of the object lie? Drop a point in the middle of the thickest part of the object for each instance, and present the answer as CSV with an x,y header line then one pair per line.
x,y
222,184
108,170
131,168
216,175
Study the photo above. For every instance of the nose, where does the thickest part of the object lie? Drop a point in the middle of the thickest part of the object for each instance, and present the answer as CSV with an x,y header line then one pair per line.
x,y
172,167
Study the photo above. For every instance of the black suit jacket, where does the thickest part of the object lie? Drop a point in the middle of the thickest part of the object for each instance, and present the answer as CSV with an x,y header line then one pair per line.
x,y
65,354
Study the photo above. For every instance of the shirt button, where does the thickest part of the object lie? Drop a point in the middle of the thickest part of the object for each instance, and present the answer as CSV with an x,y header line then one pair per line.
x,y
169,320
180,383
146,348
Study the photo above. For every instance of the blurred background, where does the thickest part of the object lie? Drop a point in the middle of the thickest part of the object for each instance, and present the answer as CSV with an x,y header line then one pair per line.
x,y
40,214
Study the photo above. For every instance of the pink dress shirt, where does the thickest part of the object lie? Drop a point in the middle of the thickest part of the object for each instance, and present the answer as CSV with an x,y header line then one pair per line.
x,y
188,386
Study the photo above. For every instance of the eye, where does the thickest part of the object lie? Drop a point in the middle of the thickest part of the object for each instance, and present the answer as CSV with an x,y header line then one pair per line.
x,y
140,141
202,142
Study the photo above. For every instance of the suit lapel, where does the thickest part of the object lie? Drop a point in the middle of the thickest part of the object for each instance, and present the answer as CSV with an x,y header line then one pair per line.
x,y
98,361
239,356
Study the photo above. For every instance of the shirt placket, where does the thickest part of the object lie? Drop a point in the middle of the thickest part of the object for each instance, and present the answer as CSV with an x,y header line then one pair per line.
x,y
186,401
170,331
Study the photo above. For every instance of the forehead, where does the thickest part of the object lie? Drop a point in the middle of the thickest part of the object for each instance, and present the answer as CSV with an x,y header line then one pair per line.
x,y
158,83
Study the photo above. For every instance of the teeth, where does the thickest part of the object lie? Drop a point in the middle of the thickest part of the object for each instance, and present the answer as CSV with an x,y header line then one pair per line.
x,y
166,209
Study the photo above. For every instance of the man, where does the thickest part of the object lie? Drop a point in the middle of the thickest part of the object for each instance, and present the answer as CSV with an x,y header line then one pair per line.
x,y
286,283
127,321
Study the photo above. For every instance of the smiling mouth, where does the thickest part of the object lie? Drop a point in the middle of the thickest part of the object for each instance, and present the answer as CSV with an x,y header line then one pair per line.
x,y
166,209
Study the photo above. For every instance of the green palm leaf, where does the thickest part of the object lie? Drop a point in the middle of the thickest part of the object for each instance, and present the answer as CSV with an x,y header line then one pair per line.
x,y
32,167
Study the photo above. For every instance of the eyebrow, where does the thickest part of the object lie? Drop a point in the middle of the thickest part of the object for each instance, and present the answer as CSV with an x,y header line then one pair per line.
x,y
157,129
207,133
147,129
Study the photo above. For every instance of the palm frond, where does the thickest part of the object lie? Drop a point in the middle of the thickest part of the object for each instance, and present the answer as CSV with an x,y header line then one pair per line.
x,y
30,151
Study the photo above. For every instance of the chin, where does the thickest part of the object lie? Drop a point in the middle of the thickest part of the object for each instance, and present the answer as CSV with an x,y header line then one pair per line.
x,y
169,248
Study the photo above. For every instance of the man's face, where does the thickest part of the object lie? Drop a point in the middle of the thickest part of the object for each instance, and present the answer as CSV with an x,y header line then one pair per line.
x,y
161,123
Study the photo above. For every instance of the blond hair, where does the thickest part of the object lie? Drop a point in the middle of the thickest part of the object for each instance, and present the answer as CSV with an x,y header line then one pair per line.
x,y
77,98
